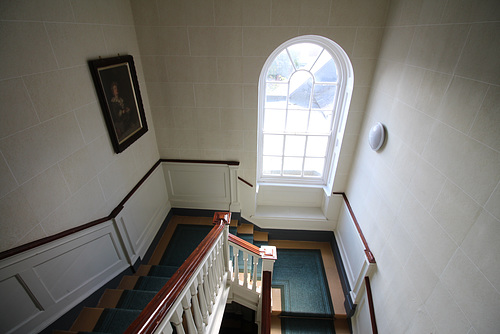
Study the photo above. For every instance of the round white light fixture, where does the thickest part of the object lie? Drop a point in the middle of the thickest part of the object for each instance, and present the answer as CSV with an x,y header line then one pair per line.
x,y
376,136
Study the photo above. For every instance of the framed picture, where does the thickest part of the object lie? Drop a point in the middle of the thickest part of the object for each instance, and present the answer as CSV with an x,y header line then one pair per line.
x,y
117,88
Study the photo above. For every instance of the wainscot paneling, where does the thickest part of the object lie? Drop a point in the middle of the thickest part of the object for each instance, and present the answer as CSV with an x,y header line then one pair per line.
x,y
40,285
201,186
142,215
352,251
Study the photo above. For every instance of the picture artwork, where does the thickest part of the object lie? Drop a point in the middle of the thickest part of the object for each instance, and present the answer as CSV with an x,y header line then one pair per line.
x,y
115,80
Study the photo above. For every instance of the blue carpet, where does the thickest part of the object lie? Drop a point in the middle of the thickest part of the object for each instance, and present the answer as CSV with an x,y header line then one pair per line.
x,y
301,277
184,241
151,283
135,299
116,320
307,326
163,271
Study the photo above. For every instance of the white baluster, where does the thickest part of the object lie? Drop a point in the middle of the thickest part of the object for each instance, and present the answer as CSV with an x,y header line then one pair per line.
x,y
167,329
236,277
217,266
206,286
188,315
211,278
202,299
226,248
245,269
221,261
255,269
196,307
177,320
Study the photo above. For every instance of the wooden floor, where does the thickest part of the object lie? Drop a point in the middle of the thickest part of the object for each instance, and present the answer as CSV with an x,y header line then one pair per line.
x,y
336,292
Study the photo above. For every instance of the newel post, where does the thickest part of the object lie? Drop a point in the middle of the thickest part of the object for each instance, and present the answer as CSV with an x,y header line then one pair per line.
x,y
268,255
225,218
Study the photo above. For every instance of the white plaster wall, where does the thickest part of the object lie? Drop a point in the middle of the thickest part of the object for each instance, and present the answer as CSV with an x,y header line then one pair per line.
x,y
57,166
428,203
202,60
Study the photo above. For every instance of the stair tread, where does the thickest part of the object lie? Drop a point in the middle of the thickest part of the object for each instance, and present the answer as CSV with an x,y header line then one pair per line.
x,y
87,319
276,301
162,271
135,299
114,320
150,283
128,282
245,229
260,236
110,298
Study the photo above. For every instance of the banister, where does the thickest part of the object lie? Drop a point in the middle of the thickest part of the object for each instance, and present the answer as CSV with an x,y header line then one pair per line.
x,y
245,181
244,244
368,252
210,162
152,315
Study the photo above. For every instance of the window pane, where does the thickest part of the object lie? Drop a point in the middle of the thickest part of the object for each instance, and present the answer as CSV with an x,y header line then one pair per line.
x,y
313,167
271,165
320,121
292,167
323,96
325,70
297,120
274,120
301,89
281,68
276,94
316,146
273,145
294,146
304,55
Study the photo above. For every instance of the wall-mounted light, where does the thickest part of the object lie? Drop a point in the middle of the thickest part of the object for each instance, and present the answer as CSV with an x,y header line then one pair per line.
x,y
376,136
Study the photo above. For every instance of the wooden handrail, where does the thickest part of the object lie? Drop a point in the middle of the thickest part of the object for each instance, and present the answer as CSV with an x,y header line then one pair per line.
x,y
368,252
152,315
370,305
245,181
112,215
211,162
244,244
266,303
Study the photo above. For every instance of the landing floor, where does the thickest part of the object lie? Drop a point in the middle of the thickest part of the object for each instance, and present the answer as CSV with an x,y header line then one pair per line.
x,y
330,266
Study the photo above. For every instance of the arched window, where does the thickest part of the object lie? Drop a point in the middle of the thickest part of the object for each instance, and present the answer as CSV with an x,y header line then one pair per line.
x,y
304,94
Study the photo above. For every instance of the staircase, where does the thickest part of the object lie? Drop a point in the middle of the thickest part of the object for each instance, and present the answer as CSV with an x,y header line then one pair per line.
x,y
119,307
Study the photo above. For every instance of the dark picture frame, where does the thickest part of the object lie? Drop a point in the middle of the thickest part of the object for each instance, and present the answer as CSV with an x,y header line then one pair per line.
x,y
115,81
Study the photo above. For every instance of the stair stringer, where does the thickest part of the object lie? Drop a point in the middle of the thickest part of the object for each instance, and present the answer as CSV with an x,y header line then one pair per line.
x,y
244,296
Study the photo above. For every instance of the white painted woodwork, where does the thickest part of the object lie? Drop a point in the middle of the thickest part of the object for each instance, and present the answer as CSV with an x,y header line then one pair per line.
x,y
143,214
201,186
48,281
361,321
352,252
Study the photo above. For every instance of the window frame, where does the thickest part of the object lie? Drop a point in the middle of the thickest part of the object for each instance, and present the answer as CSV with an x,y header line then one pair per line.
x,y
345,83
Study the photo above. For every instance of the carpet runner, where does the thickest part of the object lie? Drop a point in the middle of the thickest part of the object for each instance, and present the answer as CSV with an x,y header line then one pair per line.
x,y
306,303
300,275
